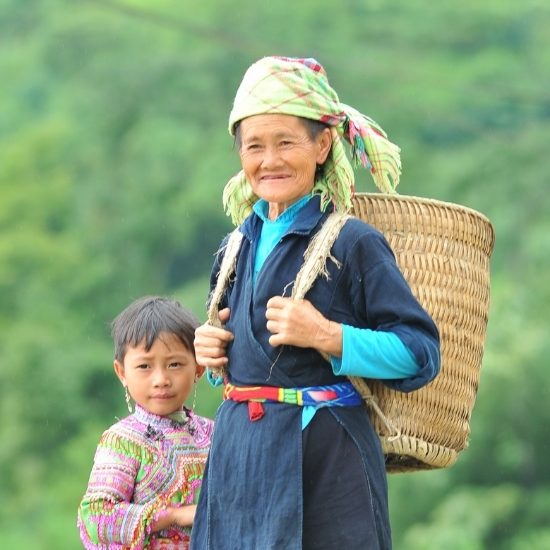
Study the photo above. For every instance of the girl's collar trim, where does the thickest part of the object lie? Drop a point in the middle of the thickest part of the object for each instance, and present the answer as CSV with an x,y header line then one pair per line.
x,y
174,420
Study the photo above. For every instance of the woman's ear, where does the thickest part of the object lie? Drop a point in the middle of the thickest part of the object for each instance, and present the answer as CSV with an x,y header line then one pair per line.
x,y
119,371
324,139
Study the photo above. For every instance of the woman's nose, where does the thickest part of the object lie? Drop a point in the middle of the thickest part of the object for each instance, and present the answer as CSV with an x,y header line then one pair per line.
x,y
270,157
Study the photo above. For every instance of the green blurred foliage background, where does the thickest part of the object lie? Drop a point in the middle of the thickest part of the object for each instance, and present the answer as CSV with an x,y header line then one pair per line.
x,y
113,155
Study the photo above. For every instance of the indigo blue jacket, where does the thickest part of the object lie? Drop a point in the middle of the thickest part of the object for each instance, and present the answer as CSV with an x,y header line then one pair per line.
x,y
252,490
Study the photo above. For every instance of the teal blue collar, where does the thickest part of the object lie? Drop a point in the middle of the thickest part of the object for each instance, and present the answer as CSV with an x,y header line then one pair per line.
x,y
261,207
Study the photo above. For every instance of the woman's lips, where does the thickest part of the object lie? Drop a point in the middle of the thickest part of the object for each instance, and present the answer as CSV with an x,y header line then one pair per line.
x,y
274,177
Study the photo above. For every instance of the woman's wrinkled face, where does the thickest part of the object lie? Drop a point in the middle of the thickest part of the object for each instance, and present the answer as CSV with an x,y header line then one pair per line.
x,y
279,158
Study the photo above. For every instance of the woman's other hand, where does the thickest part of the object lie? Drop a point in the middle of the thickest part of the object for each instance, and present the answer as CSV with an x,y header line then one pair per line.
x,y
211,343
299,323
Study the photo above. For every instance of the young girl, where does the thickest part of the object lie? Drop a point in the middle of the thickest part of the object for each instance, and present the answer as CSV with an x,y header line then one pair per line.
x,y
148,467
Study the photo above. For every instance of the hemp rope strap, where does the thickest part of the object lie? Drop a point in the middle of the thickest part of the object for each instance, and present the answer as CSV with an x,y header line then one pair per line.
x,y
227,268
315,261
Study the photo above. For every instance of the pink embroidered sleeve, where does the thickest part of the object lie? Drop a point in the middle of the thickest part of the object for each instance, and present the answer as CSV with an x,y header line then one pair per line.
x,y
107,518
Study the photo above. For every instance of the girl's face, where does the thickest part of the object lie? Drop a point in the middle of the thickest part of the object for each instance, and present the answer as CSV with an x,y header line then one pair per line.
x,y
161,379
279,158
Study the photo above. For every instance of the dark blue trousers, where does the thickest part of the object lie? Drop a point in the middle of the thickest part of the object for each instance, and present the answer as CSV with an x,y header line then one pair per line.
x,y
338,509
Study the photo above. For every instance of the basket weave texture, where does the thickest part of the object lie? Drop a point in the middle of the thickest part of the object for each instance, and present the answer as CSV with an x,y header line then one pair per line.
x,y
443,250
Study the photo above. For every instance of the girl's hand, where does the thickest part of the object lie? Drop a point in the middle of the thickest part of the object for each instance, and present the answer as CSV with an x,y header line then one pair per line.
x,y
182,516
185,515
299,323
211,343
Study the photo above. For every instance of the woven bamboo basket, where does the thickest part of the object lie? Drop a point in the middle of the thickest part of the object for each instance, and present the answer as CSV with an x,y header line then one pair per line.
x,y
443,250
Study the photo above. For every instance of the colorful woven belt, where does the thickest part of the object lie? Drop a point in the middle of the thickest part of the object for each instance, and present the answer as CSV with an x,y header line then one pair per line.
x,y
336,395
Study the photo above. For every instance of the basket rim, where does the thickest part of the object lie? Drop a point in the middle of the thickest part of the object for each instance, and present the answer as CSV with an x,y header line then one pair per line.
x,y
425,200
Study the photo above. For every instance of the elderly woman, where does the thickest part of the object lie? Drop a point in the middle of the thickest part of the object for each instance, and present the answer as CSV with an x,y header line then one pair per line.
x,y
303,468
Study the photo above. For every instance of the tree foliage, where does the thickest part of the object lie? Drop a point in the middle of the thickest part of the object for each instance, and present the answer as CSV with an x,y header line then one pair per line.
x,y
113,155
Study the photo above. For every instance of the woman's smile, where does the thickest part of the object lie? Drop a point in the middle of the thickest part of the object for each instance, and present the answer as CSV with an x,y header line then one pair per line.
x,y
273,177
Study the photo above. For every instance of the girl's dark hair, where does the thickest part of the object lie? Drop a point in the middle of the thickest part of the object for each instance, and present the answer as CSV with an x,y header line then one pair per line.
x,y
146,318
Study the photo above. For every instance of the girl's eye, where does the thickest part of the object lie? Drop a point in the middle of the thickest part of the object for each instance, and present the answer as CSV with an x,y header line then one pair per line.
x,y
175,365
142,366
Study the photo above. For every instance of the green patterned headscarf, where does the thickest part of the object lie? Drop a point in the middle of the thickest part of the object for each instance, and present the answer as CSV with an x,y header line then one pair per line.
x,y
299,87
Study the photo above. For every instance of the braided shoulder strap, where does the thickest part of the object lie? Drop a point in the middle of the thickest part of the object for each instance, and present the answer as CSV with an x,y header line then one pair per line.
x,y
317,254
227,268
315,262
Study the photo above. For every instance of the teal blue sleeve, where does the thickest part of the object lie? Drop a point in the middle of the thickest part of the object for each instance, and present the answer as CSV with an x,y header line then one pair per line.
x,y
373,354
214,380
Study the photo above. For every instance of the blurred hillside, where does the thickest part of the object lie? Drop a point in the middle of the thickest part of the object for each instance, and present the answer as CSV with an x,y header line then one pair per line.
x,y
113,155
